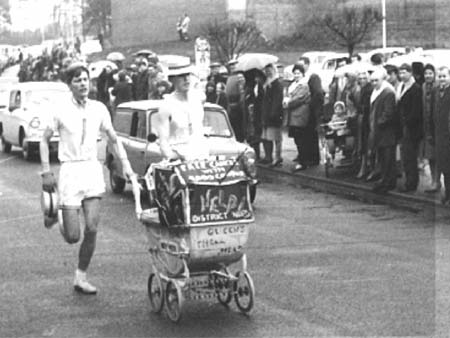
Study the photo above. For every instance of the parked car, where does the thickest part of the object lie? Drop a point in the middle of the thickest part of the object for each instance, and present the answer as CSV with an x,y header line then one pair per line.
x,y
25,111
134,122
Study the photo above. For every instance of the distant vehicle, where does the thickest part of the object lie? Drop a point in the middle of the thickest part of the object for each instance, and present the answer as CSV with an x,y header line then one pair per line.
x,y
90,47
25,110
317,58
134,123
387,53
439,57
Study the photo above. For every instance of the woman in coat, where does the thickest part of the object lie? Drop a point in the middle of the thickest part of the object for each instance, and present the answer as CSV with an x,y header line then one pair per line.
x,y
428,89
255,94
272,117
297,105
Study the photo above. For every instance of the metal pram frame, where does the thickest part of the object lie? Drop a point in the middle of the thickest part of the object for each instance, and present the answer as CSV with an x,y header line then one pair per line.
x,y
199,228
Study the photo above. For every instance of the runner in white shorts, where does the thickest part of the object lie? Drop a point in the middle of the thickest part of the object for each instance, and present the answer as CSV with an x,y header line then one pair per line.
x,y
81,182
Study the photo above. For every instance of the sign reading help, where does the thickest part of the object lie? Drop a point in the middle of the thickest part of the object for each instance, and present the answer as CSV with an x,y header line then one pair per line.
x,y
220,203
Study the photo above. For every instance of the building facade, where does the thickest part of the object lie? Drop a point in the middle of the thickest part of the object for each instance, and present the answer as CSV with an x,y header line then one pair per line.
x,y
409,22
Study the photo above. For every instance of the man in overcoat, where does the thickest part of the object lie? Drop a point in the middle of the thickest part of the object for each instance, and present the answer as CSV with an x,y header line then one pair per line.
x,y
410,111
383,129
441,122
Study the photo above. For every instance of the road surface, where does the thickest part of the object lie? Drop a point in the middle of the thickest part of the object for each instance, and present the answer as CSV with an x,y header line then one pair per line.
x,y
323,266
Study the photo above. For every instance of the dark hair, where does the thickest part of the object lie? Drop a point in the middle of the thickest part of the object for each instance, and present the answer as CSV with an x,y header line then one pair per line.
x,y
429,66
377,59
305,59
298,67
391,69
406,67
357,56
75,71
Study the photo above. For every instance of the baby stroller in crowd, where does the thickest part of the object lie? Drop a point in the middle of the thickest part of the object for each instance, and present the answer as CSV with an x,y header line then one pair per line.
x,y
198,229
337,140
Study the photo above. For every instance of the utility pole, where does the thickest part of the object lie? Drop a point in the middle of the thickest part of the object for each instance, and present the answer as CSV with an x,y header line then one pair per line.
x,y
383,14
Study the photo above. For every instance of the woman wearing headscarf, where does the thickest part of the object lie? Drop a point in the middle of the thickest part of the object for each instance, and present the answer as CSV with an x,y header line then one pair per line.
x,y
297,104
428,89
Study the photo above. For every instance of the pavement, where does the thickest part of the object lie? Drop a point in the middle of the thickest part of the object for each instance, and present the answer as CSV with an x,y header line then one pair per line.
x,y
343,181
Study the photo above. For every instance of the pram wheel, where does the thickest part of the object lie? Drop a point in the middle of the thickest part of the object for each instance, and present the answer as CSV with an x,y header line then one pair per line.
x,y
223,288
155,292
174,300
244,292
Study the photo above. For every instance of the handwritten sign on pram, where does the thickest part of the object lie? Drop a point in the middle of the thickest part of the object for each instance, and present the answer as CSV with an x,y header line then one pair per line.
x,y
226,203
212,171
203,192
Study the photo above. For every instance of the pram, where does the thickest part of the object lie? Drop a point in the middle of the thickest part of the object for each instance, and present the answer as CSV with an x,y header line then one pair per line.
x,y
199,228
337,143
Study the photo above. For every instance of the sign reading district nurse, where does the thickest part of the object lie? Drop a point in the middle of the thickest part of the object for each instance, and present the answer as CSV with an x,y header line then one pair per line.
x,y
220,203
220,171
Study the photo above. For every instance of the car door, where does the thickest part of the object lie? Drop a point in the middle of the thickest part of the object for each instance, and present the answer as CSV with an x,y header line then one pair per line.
x,y
122,126
11,121
137,142
153,153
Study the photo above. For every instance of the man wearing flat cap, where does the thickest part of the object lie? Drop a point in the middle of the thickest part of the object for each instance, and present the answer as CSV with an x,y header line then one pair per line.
x,y
409,105
179,123
81,181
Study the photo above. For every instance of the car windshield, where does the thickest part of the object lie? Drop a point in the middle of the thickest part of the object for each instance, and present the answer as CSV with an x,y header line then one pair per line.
x,y
216,123
46,96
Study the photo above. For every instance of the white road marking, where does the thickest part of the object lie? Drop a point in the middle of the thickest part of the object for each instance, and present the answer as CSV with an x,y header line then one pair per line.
x,y
19,218
7,159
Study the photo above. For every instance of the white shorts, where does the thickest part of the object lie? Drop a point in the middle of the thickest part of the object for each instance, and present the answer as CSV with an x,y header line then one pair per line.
x,y
78,181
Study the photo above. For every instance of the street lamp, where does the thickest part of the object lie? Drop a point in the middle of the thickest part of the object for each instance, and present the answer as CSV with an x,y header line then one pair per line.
x,y
383,14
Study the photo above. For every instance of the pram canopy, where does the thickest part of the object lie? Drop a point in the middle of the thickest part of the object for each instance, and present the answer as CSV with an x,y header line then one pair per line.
x,y
202,192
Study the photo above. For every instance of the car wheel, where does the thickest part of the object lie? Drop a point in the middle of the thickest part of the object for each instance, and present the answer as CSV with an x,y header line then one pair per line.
x,y
117,183
252,193
28,151
6,146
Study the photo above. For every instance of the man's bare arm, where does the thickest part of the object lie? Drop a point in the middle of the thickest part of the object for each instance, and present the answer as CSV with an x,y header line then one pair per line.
x,y
119,151
44,149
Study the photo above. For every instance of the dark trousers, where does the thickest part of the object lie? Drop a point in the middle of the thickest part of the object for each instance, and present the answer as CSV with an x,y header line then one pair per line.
x,y
410,153
446,186
386,158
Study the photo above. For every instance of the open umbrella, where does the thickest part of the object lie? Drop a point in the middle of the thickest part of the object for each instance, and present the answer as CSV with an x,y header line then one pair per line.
x,y
255,61
115,56
144,52
354,68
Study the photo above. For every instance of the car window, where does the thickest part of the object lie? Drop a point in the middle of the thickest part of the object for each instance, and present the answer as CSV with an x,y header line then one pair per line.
x,y
122,121
42,96
138,124
216,124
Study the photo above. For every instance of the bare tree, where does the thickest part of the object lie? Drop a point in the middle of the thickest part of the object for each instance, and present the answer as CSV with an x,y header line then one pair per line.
x,y
231,38
349,25
97,13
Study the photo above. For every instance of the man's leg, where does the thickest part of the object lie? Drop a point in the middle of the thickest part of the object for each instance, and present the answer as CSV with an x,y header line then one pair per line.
x,y
91,208
71,224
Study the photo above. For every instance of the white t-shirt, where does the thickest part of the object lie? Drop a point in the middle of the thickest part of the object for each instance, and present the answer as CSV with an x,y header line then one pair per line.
x,y
79,128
